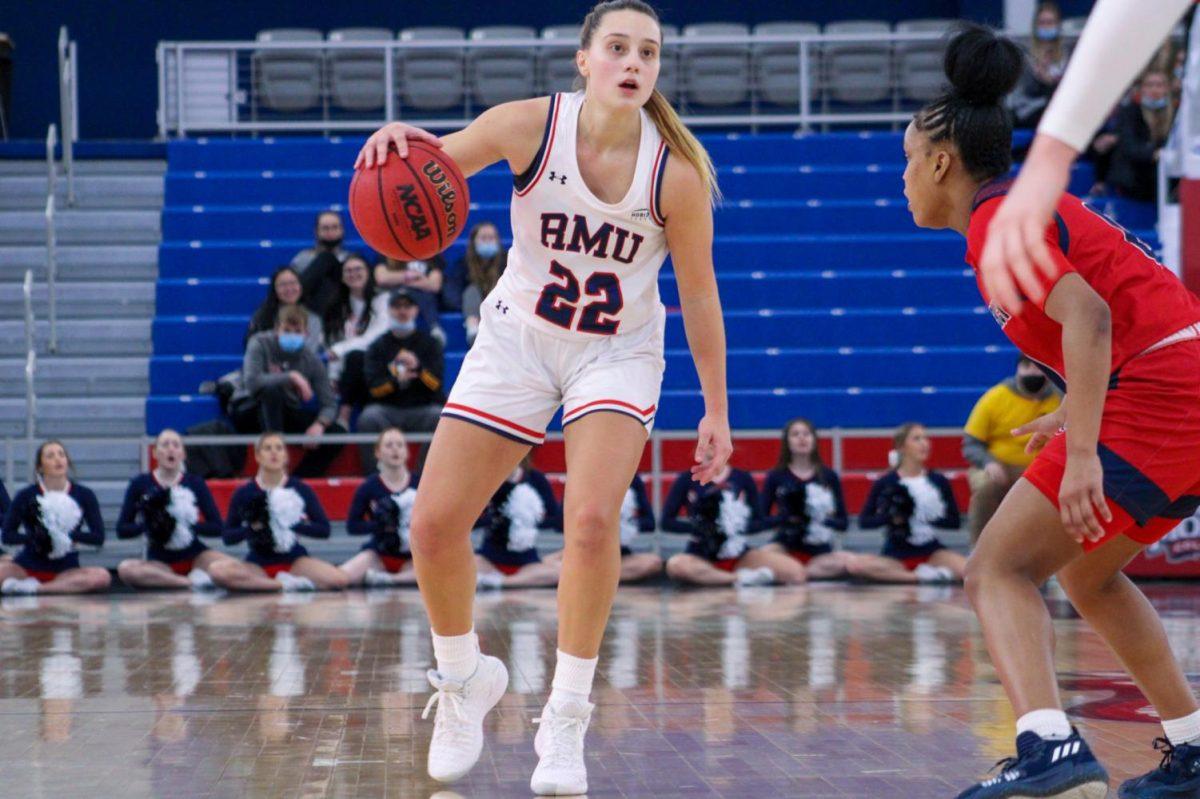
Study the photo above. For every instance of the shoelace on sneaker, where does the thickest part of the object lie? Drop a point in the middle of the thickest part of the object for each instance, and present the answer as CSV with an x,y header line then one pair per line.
x,y
453,700
1164,745
1003,766
564,731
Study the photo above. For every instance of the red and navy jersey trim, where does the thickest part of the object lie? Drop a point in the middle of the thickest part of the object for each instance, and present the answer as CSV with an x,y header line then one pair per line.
x,y
660,167
996,187
496,424
525,181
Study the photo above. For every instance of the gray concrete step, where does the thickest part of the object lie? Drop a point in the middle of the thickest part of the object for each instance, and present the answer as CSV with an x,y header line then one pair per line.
x,y
92,300
76,416
85,168
82,262
94,459
80,337
77,377
136,191
82,227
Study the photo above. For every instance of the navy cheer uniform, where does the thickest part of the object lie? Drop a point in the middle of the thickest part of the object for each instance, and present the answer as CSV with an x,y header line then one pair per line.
x,y
275,547
911,509
806,513
637,514
510,523
184,545
45,557
368,516
712,510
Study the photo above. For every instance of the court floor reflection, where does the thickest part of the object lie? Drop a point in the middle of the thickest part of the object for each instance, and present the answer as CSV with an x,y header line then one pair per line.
x,y
827,691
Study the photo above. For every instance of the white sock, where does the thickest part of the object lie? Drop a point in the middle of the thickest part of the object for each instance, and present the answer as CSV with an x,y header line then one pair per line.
x,y
572,678
456,655
1050,724
1183,731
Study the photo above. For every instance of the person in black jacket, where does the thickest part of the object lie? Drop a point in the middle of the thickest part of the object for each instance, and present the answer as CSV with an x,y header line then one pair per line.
x,y
269,513
172,509
404,370
912,503
1142,130
54,512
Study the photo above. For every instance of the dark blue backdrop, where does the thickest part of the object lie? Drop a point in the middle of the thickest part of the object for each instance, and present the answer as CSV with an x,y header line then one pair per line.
x,y
117,76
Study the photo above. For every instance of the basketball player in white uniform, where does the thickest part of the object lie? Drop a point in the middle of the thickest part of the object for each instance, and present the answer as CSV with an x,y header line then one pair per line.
x,y
608,181
1118,40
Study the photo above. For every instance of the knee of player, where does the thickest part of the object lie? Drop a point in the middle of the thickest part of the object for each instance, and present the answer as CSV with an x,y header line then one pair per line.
x,y
590,527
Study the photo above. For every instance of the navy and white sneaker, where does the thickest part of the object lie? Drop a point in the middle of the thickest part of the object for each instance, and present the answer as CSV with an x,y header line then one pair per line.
x,y
1064,769
1177,776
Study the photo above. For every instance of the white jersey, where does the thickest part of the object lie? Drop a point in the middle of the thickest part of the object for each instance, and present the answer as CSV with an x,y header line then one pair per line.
x,y
579,266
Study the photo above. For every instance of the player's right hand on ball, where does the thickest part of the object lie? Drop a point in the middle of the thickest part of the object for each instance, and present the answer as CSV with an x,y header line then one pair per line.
x,y
395,134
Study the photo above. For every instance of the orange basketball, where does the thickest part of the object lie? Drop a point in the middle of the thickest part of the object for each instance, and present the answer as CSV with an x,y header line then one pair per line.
x,y
410,208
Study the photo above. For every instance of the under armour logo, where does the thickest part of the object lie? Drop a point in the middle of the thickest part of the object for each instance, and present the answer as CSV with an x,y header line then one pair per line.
x,y
501,307
562,179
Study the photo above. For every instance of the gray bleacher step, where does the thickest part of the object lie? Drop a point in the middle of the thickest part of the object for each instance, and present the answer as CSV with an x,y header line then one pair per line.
x,y
77,377
82,227
76,416
96,459
78,338
91,191
110,300
100,166
82,262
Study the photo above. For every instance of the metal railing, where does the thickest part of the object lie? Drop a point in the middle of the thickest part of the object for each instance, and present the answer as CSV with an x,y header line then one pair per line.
x,y
215,86
30,368
68,106
1180,157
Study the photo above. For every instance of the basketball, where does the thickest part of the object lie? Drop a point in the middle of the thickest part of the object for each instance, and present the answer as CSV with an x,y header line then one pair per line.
x,y
410,208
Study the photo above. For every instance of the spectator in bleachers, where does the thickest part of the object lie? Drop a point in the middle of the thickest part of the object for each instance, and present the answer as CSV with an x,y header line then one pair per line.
x,y
912,503
802,499
319,266
54,510
1142,130
637,516
268,513
285,387
404,370
1045,67
356,318
5,501
172,509
382,509
475,275
508,556
996,456
719,517
285,289
423,280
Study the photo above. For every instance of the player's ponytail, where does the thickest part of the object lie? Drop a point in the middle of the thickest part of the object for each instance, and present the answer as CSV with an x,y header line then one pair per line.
x,y
982,68
683,142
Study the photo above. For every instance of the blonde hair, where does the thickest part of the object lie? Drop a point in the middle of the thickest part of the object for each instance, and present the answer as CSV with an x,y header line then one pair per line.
x,y
679,139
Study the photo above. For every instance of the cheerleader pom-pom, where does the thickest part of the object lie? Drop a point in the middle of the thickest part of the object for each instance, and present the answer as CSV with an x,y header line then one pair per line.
x,y
61,516
629,525
525,510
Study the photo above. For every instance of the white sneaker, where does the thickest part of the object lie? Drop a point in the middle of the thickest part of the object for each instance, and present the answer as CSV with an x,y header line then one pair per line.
x,y
559,743
927,573
291,582
760,576
378,578
458,725
489,581
200,580
19,587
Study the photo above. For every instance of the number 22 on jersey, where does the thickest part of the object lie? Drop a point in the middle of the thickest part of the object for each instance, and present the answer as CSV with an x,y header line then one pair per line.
x,y
559,301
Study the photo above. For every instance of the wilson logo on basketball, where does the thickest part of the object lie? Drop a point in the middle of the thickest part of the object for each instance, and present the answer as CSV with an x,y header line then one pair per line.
x,y
411,204
445,192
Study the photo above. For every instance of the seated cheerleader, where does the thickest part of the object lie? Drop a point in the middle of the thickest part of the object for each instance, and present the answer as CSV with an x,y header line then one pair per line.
x,y
53,512
382,508
268,513
172,510
720,516
637,516
802,499
508,556
912,503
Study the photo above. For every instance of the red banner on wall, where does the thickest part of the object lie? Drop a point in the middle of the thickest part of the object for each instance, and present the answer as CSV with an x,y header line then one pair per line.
x,y
1176,555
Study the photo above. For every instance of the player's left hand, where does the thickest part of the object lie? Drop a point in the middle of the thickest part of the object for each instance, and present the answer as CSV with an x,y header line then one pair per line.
x,y
714,445
1081,498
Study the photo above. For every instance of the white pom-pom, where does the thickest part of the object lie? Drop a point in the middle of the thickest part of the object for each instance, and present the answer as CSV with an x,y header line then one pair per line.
x,y
733,520
404,502
821,504
629,524
61,515
183,509
287,509
928,507
525,511
893,458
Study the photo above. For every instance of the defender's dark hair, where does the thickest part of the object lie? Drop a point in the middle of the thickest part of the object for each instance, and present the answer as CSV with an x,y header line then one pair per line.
x,y
982,68
785,451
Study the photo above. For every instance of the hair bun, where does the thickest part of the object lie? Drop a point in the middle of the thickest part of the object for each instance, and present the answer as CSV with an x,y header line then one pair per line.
x,y
983,66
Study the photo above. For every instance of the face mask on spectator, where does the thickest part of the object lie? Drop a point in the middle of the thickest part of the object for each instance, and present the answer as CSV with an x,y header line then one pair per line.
x,y
1032,384
487,249
402,328
291,342
331,244
1047,33
1151,104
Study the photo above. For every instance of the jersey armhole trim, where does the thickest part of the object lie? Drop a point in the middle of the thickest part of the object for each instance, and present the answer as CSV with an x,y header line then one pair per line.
x,y
525,181
1064,235
656,181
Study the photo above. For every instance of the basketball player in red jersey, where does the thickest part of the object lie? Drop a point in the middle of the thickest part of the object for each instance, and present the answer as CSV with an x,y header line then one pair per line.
x,y
607,182
1121,335
1120,37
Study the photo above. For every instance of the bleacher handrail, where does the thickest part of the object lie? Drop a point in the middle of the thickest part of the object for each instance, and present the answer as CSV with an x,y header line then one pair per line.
x,y
68,103
52,271
30,366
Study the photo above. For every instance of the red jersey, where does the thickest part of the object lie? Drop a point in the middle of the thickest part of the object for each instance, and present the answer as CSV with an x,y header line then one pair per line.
x,y
1147,301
